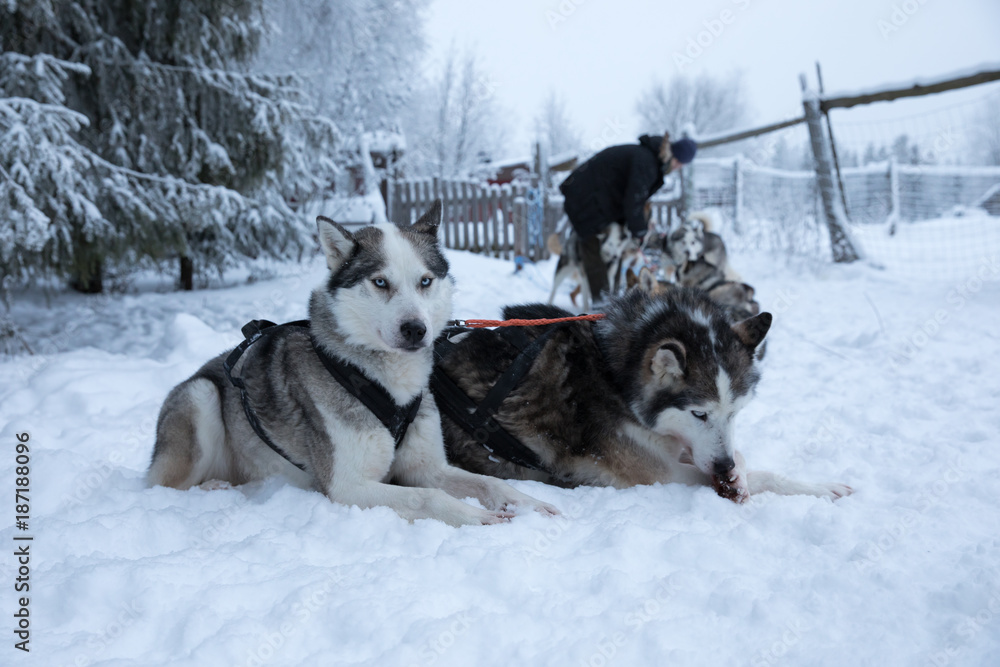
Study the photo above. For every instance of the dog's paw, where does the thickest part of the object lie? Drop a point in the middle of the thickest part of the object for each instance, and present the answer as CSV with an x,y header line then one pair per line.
x,y
518,499
733,488
505,497
832,490
493,517
546,509
537,505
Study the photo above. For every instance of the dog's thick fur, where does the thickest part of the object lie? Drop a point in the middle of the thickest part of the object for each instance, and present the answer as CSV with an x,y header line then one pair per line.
x,y
646,395
387,297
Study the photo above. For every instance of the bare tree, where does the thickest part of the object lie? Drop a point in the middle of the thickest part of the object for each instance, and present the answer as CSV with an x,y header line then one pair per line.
x,y
554,127
455,122
356,58
709,104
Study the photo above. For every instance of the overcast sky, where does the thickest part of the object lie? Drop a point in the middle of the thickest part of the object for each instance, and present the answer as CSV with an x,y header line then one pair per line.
x,y
601,54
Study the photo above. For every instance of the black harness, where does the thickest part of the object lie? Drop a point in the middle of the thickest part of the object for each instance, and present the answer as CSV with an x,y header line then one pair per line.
x,y
479,420
371,394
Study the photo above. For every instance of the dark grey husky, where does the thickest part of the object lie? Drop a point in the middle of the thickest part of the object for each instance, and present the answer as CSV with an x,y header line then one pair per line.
x,y
648,394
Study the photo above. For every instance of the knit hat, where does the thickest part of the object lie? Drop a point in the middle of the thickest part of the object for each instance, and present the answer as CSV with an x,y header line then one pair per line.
x,y
684,150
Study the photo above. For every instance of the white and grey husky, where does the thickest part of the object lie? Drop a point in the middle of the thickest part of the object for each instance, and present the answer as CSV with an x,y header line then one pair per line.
x,y
387,297
694,241
646,395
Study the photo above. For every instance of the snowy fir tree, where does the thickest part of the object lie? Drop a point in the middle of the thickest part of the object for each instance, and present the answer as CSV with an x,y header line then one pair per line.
x,y
131,133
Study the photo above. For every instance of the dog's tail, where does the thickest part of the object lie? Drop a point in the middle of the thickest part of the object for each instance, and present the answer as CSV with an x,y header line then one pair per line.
x,y
703,217
554,244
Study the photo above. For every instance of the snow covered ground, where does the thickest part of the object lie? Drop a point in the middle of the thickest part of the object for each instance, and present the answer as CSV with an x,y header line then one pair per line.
x,y
885,383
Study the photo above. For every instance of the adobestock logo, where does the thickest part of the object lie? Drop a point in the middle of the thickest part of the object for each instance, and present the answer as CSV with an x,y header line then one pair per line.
x,y
900,16
704,39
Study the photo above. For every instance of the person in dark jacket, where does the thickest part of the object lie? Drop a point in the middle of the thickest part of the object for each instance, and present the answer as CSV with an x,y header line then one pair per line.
x,y
613,186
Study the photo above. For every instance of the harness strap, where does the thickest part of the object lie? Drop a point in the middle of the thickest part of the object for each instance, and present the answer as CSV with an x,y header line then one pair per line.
x,y
479,420
254,331
371,394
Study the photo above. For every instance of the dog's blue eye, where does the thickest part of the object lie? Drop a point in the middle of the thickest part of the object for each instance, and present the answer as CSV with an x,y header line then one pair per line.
x,y
426,282
380,283
700,415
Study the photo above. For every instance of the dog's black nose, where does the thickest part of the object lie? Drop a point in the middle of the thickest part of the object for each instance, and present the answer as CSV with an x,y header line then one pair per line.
x,y
722,467
413,331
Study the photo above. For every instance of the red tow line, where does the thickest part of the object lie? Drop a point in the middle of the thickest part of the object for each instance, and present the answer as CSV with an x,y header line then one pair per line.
x,y
482,324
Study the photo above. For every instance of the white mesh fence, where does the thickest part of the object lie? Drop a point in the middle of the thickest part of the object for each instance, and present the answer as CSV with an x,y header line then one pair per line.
x,y
913,219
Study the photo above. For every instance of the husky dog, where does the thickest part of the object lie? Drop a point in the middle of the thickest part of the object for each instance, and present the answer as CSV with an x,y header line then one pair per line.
x,y
736,299
387,297
646,395
616,244
694,240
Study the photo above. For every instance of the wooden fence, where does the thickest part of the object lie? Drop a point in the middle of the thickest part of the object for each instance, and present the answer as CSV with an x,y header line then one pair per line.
x,y
494,219
481,218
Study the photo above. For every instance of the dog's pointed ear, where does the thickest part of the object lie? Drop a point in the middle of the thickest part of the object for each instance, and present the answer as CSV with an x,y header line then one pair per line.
x,y
751,331
647,281
337,242
631,280
668,362
429,221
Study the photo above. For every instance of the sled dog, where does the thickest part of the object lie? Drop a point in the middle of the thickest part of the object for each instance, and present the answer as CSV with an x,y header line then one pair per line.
x,y
646,395
694,240
616,244
736,298
387,297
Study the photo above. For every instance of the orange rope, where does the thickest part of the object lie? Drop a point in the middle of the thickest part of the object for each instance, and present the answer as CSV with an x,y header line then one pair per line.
x,y
481,324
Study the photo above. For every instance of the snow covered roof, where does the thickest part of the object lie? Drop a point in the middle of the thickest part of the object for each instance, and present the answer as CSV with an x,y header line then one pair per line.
x,y
384,141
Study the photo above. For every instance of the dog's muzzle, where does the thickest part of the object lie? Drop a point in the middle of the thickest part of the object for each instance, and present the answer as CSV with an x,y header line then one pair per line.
x,y
412,334
723,467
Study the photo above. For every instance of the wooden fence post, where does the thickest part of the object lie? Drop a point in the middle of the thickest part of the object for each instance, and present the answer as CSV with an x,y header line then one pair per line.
x,y
738,203
517,212
499,229
390,193
841,244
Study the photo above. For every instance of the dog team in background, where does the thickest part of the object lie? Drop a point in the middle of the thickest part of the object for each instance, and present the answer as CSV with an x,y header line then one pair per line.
x,y
376,400
690,256
606,200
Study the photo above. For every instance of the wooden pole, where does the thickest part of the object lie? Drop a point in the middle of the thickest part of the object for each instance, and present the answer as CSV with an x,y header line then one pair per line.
x,y
840,239
738,203
833,145
718,140
914,90
389,194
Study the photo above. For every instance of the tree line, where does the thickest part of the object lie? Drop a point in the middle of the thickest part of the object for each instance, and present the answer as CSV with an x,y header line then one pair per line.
x,y
188,134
